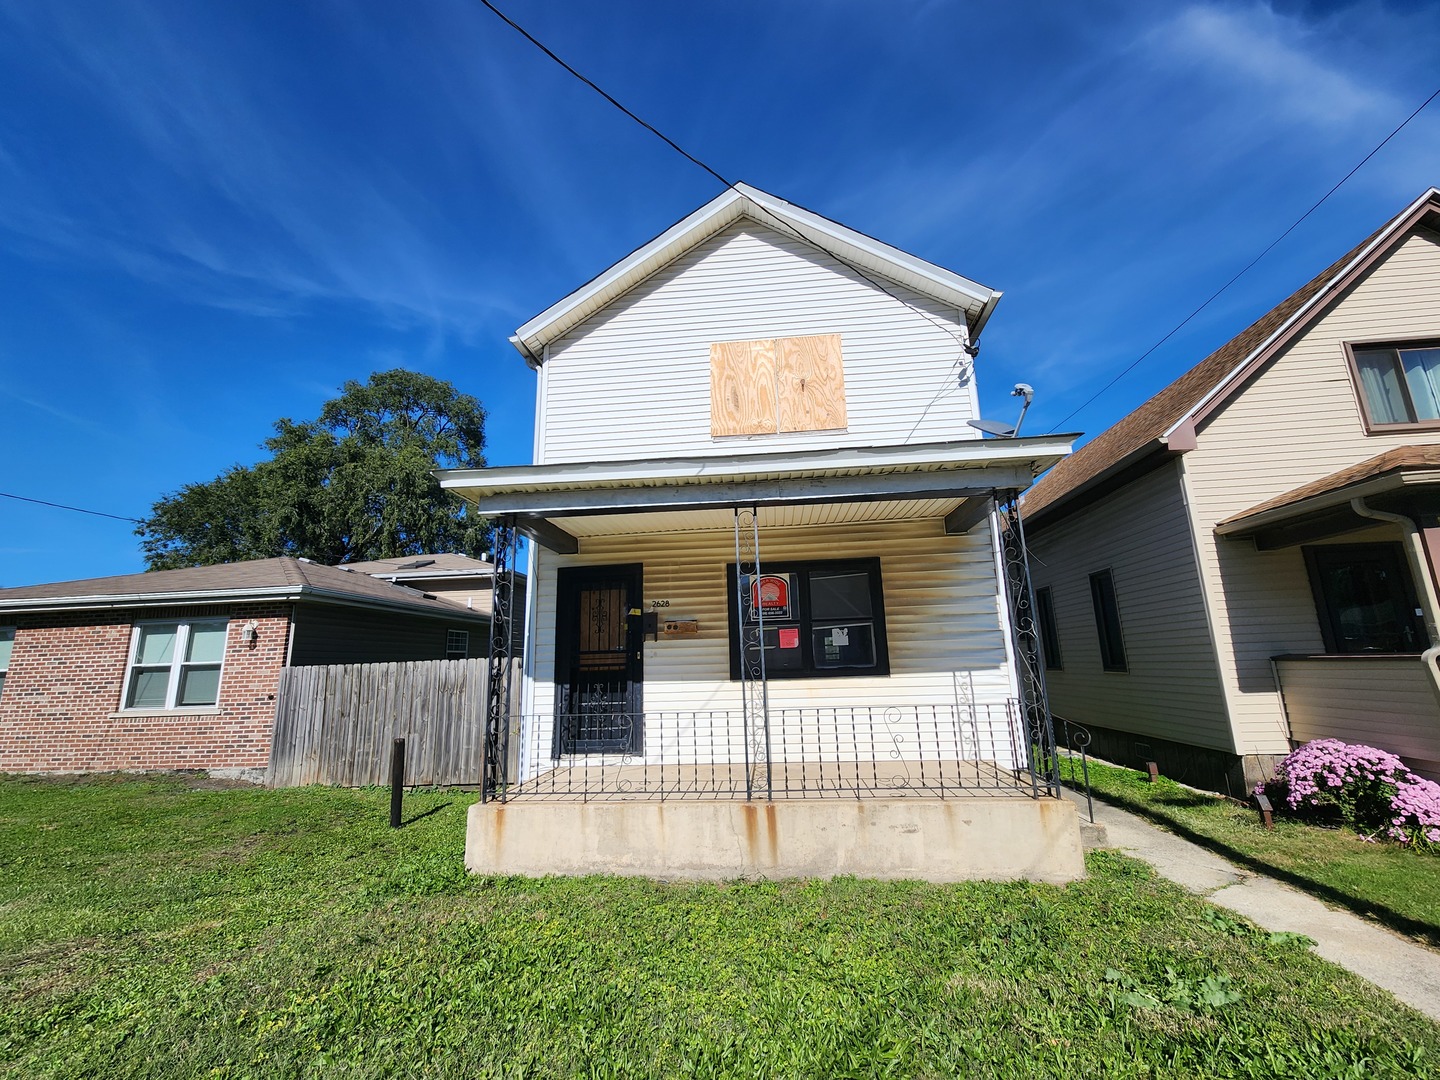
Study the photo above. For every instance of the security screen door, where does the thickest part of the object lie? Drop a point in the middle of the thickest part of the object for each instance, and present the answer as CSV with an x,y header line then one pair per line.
x,y
598,661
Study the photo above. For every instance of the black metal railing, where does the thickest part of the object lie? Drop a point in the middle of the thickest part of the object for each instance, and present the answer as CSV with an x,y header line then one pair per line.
x,y
852,752
1075,749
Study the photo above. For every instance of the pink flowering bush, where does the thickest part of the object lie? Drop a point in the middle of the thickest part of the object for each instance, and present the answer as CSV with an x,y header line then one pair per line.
x,y
1366,788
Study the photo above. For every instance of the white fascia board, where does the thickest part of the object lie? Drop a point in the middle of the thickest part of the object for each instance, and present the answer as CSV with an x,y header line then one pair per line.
x,y
949,285
976,300
965,453
531,338
1301,313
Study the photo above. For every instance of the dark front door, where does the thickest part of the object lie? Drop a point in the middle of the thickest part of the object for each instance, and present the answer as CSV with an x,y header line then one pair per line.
x,y
1365,598
598,654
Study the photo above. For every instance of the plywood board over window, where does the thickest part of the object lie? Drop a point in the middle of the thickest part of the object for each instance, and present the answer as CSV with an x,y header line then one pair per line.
x,y
777,385
811,382
742,388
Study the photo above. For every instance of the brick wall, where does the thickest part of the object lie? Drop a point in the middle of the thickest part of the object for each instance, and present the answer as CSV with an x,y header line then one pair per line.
x,y
60,707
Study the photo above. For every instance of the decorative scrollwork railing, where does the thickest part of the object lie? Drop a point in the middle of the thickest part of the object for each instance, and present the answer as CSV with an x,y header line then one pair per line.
x,y
495,780
1029,659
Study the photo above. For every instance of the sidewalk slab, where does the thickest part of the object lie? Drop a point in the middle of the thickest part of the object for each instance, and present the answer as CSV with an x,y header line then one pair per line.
x,y
1409,971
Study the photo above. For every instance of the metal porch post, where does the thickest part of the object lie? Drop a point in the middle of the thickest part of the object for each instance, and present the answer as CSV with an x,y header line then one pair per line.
x,y
754,691
1029,658
496,764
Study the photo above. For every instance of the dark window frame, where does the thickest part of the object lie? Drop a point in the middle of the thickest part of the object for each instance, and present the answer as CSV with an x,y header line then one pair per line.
x,y
1049,629
1396,345
1108,627
1314,554
804,567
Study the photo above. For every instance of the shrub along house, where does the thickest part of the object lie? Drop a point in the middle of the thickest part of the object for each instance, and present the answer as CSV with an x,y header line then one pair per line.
x,y
1248,561
178,669
765,566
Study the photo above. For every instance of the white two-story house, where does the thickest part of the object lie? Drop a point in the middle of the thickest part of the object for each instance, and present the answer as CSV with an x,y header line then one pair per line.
x,y
765,566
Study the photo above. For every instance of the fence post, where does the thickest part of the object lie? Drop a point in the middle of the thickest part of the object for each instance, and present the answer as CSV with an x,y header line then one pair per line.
x,y
397,781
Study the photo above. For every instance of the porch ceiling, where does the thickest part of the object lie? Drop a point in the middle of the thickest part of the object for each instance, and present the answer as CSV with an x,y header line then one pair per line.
x,y
771,517
955,479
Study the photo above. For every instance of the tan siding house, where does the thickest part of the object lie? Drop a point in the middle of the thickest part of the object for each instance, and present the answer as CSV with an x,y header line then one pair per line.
x,y
765,560
1297,459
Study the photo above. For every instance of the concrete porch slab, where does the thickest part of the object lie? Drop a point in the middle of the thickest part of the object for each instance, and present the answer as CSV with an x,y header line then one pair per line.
x,y
927,839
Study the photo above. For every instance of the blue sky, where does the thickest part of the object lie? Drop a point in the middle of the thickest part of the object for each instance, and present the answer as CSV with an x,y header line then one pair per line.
x,y
211,215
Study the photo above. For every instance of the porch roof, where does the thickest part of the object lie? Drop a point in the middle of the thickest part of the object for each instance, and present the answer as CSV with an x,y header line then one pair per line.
x,y
1403,479
935,479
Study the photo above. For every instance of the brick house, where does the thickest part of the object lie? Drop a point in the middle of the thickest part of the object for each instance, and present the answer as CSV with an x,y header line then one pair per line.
x,y
178,669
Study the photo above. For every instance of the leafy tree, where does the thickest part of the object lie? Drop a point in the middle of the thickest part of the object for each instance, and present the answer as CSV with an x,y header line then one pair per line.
x,y
353,484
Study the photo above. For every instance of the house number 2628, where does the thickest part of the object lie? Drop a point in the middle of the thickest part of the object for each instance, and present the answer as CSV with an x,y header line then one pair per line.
x,y
659,603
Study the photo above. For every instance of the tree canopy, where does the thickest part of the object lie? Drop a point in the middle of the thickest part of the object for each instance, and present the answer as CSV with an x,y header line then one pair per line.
x,y
355,483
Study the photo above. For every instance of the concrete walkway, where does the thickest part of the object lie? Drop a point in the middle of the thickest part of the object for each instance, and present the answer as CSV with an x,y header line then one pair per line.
x,y
1410,972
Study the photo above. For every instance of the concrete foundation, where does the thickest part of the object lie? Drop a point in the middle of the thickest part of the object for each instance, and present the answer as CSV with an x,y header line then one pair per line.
x,y
1000,838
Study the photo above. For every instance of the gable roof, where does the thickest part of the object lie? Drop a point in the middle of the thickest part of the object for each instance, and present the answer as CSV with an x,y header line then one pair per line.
x,y
865,252
255,580
1167,421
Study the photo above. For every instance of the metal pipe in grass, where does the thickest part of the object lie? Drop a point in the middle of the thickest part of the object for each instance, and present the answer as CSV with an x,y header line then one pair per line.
x,y
397,781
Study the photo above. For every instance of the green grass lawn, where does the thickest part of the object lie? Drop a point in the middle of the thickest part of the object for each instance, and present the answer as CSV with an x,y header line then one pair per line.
x,y
1388,882
151,928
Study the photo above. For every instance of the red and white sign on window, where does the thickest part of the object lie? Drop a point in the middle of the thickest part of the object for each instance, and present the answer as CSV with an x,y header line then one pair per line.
x,y
770,593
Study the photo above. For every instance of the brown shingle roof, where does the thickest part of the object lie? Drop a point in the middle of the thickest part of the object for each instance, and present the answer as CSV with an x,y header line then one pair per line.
x,y
1396,460
202,584
1144,427
442,563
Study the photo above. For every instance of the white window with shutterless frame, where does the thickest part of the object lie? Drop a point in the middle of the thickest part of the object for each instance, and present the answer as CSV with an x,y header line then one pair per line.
x,y
175,665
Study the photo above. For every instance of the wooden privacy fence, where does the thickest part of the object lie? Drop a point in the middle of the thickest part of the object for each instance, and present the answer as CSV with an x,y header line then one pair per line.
x,y
334,724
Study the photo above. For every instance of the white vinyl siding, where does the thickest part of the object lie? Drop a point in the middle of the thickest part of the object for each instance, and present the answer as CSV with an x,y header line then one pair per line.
x,y
1297,421
633,381
942,616
1171,689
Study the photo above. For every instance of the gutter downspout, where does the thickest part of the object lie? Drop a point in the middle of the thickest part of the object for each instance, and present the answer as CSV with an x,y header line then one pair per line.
x,y
1420,570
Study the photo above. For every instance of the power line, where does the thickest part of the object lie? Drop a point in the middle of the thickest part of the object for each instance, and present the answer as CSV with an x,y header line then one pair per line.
x,y
77,509
784,225
1213,296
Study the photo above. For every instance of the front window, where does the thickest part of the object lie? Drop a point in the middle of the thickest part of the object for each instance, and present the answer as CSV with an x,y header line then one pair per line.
x,y
175,665
7,643
1365,598
1399,384
820,619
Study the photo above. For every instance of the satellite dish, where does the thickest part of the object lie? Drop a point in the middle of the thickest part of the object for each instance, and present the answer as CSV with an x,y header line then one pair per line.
x,y
994,427
1005,431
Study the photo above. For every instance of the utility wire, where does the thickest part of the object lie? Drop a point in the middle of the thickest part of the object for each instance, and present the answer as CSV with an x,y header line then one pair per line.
x,y
1215,295
77,509
784,225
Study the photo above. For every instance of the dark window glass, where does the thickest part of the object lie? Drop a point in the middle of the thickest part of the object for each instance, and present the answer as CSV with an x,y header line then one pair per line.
x,y
820,618
1365,598
1049,633
1107,621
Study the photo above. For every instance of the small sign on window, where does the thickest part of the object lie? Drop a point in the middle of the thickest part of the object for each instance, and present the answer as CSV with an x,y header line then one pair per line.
x,y
789,637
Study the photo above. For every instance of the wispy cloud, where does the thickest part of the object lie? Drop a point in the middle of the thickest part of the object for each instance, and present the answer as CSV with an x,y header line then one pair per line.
x,y
240,203
1280,64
